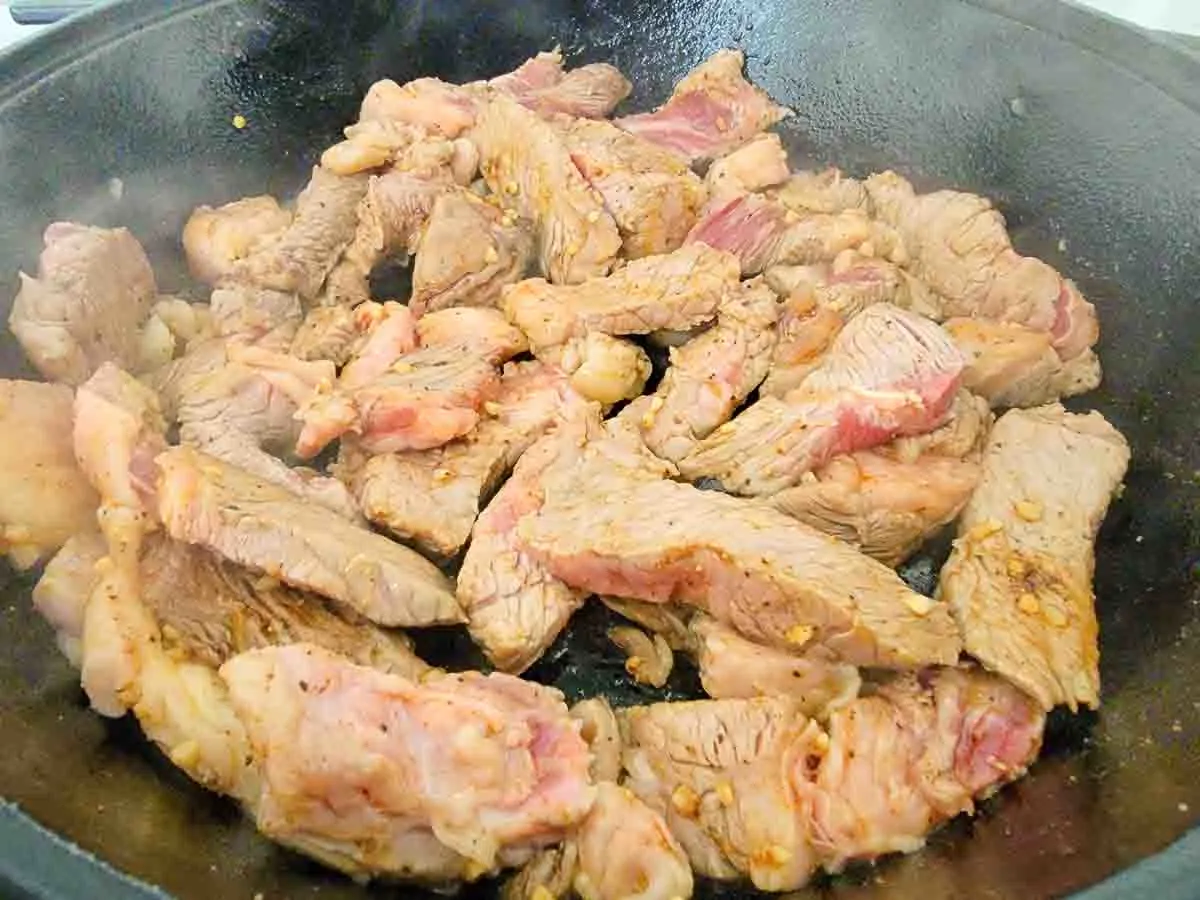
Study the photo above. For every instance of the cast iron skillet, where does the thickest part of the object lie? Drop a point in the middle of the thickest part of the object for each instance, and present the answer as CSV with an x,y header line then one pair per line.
x,y
1088,134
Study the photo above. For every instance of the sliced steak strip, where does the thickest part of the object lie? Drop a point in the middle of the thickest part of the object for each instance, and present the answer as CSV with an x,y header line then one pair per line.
x,y
1013,365
433,497
888,501
378,775
755,788
204,501
711,374
1020,577
677,291
712,110
298,259
888,373
958,245
526,163
88,303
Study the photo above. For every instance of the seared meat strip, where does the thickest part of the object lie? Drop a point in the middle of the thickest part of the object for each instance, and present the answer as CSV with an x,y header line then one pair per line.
x,y
205,501
413,385
959,246
772,578
753,787
330,332
298,259
653,195
712,374
591,91
1020,577
62,592
1012,365
215,239
757,165
467,252
118,432
429,103
441,781
677,290
433,497
211,610
827,191
526,163
889,500
622,851
44,497
712,110
888,373
388,220
732,666
236,401
88,303
515,607
763,233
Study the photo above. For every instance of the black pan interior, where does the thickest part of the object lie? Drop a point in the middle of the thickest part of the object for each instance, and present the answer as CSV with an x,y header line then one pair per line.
x,y
1088,135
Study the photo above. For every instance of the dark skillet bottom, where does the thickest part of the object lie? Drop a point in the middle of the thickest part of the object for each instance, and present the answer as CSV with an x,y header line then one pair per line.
x,y
1095,167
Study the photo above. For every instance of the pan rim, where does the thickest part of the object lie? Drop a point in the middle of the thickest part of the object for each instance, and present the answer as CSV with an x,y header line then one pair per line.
x,y
39,864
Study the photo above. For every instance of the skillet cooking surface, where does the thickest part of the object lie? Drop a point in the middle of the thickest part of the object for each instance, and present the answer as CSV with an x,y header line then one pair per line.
x,y
1093,164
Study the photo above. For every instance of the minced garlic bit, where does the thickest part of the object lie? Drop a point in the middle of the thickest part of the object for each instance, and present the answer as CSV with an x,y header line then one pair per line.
x,y
239,121
490,255
492,408
442,475
185,755
919,604
725,793
593,216
511,187
1029,510
773,856
541,893
1055,617
1016,567
686,801
1028,603
985,530
799,634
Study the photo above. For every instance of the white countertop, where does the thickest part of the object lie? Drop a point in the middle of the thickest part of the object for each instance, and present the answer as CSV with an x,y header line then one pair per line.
x,y
1182,16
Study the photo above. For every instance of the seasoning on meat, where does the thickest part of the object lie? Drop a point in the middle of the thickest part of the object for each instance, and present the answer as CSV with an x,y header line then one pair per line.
x,y
433,497
888,373
444,780
204,501
676,290
527,165
732,666
466,254
711,374
744,563
652,194
1014,365
298,258
754,788
889,500
1020,577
